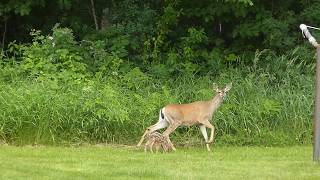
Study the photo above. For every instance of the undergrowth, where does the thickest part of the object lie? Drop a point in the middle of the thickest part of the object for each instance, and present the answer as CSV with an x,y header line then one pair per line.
x,y
255,111
52,93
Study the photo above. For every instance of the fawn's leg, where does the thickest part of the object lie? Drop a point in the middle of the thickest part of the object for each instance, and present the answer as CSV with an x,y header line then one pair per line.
x,y
157,147
146,145
151,146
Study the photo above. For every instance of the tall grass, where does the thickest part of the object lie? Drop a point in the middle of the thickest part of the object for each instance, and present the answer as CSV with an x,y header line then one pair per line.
x,y
268,105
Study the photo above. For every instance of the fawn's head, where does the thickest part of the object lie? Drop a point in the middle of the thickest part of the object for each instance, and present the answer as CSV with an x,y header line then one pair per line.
x,y
222,92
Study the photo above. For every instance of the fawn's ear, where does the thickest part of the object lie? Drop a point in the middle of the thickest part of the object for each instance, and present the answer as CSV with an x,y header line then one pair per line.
x,y
215,87
228,87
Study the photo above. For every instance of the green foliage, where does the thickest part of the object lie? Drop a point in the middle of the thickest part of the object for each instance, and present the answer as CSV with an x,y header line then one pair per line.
x,y
58,56
149,32
266,106
21,8
80,84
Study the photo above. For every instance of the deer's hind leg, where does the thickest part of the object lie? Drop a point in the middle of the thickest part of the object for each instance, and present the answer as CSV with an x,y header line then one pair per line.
x,y
166,146
162,123
168,131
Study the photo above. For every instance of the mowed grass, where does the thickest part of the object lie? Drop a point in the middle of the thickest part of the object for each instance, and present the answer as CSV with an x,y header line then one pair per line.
x,y
107,162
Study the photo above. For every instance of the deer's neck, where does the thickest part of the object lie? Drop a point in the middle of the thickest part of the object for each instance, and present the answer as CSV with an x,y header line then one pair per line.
x,y
215,103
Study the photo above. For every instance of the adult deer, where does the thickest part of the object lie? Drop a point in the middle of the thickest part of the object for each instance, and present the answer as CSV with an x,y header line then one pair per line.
x,y
196,113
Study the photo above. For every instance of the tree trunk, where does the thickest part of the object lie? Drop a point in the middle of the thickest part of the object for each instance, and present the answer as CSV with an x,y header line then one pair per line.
x,y
94,15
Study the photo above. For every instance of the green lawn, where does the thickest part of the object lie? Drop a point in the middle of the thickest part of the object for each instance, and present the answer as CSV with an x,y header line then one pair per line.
x,y
129,163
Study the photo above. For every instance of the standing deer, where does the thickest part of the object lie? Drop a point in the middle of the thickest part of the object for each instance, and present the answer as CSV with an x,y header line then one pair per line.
x,y
196,113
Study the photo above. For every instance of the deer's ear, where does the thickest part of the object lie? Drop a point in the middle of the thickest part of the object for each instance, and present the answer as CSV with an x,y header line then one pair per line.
x,y
215,87
228,87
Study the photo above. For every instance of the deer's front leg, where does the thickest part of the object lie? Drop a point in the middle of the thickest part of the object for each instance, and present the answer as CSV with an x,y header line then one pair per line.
x,y
210,126
205,135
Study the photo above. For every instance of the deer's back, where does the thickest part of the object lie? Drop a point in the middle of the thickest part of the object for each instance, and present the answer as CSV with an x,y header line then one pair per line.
x,y
188,114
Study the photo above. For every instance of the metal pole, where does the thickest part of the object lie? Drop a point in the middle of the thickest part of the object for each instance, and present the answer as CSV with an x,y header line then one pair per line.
x,y
316,123
316,120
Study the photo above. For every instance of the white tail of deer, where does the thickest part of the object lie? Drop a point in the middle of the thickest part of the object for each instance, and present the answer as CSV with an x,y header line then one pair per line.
x,y
196,113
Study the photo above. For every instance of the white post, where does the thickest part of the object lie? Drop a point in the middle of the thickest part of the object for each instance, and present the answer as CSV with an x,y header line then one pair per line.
x,y
316,123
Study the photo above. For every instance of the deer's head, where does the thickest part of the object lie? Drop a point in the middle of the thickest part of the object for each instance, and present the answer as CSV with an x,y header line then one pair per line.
x,y
222,92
